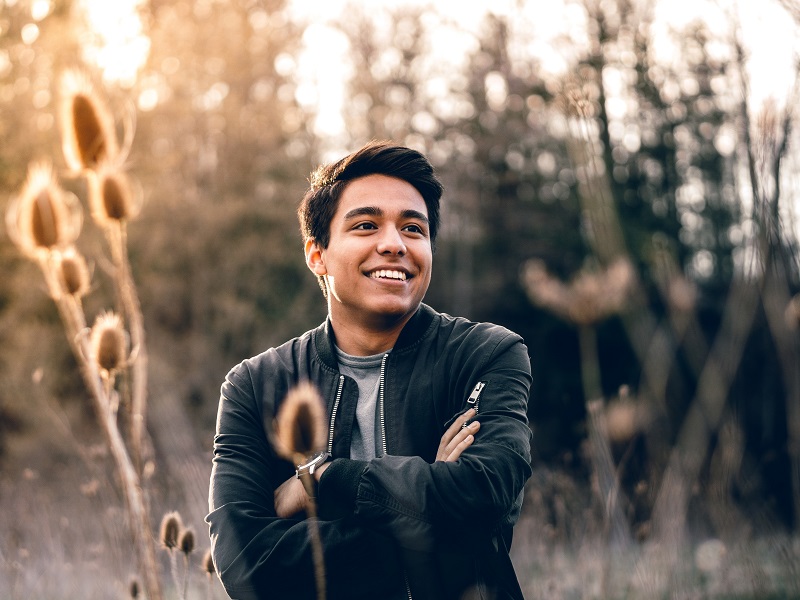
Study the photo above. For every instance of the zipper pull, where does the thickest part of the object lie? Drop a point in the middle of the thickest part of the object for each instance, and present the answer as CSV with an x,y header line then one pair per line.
x,y
476,392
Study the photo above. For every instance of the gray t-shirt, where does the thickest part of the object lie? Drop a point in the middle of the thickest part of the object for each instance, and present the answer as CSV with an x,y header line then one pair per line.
x,y
365,443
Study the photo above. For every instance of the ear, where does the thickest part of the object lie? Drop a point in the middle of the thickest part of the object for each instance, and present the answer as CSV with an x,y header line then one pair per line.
x,y
314,257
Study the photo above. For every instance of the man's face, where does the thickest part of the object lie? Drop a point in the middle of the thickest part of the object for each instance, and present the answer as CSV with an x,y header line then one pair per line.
x,y
378,262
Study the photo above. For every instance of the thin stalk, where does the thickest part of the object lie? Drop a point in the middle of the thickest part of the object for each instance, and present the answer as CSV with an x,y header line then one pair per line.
x,y
608,485
703,417
185,576
126,288
173,568
74,325
313,531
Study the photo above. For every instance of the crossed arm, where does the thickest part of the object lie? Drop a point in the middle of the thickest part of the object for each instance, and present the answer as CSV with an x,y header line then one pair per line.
x,y
291,498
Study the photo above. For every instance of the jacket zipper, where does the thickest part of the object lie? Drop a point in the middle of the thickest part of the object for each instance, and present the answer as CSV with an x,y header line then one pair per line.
x,y
333,413
382,411
475,397
382,416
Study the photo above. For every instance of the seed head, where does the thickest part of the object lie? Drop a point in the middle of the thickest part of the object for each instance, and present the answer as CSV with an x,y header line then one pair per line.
x,y
186,541
133,588
300,423
88,136
111,195
108,343
73,274
590,297
544,290
208,563
171,527
43,217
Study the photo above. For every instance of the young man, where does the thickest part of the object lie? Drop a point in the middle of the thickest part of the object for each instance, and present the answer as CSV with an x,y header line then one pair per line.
x,y
429,445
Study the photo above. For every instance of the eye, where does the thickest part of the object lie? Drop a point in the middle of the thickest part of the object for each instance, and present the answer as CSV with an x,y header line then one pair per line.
x,y
365,226
414,228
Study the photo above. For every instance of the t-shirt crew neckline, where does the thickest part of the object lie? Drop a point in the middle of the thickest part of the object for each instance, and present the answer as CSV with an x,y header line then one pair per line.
x,y
365,443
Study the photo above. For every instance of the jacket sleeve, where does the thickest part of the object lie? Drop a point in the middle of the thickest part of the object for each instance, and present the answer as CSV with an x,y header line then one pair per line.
x,y
422,505
259,555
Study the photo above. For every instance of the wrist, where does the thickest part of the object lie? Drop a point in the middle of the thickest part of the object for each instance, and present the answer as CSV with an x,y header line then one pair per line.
x,y
311,465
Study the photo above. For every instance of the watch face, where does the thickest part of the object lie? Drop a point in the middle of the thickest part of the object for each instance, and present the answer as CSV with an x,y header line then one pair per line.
x,y
317,459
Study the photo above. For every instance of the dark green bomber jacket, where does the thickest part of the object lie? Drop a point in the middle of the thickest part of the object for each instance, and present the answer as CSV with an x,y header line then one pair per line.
x,y
400,525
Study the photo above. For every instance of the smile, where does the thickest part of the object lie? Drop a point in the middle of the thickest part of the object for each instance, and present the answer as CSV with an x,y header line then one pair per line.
x,y
388,274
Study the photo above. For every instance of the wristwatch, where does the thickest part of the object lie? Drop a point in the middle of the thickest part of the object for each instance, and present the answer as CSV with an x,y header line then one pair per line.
x,y
312,463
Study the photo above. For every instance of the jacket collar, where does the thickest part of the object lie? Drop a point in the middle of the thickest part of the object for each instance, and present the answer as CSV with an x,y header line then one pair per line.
x,y
413,331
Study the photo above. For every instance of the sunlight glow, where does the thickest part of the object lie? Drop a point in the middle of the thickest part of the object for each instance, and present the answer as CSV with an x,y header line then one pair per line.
x,y
115,40
771,37
40,9
549,36
768,34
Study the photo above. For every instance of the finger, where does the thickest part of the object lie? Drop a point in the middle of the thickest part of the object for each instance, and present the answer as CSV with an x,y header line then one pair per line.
x,y
455,427
465,417
469,430
460,447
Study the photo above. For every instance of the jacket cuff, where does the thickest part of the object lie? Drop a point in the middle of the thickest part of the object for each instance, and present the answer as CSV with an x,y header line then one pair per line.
x,y
338,487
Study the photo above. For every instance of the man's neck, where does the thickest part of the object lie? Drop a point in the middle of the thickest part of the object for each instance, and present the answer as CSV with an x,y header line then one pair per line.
x,y
358,339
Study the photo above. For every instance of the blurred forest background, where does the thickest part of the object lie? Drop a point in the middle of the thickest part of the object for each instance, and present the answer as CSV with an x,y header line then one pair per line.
x,y
617,191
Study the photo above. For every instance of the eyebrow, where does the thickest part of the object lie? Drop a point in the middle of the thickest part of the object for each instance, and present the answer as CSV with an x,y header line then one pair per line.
x,y
374,211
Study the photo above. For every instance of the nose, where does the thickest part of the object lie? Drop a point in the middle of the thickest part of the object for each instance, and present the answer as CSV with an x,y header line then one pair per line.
x,y
391,242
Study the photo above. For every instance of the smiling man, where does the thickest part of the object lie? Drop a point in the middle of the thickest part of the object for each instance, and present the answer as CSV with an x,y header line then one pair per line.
x,y
429,446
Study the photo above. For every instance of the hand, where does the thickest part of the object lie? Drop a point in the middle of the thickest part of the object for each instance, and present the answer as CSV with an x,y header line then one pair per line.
x,y
457,438
291,497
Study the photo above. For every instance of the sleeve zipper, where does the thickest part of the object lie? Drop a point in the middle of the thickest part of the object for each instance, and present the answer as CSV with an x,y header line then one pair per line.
x,y
473,401
475,396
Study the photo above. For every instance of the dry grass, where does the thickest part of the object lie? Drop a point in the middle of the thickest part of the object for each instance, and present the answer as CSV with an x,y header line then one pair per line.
x,y
560,553
64,537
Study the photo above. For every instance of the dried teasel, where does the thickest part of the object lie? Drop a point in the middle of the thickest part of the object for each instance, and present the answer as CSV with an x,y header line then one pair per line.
x,y
207,563
87,126
171,526
186,541
43,217
543,289
589,298
134,588
72,272
108,342
300,423
111,195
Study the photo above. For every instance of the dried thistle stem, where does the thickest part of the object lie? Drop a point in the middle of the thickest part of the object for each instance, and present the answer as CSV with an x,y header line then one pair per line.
x,y
75,325
116,235
299,433
313,529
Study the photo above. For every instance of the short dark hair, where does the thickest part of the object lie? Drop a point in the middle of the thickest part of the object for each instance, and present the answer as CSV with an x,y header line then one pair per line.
x,y
328,182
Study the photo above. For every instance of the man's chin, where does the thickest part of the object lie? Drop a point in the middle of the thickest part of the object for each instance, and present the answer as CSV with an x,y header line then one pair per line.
x,y
392,312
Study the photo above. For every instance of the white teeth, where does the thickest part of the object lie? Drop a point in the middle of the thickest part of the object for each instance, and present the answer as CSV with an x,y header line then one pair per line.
x,y
384,274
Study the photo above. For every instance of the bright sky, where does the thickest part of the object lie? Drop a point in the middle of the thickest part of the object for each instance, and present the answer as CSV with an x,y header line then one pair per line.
x,y
117,42
326,48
